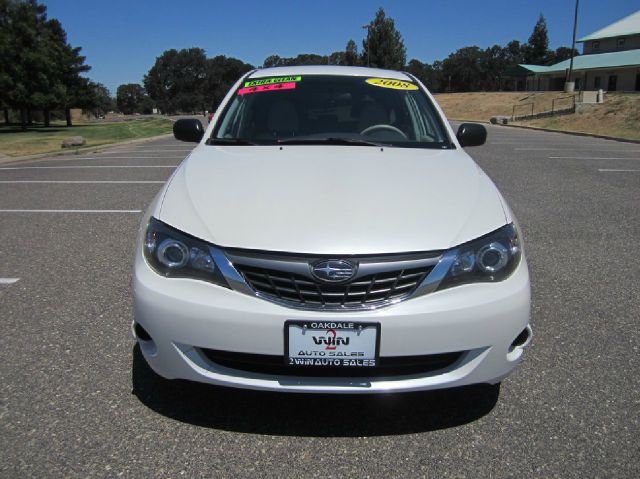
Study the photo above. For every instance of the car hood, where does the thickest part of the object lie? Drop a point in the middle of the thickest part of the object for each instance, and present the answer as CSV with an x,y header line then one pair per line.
x,y
339,200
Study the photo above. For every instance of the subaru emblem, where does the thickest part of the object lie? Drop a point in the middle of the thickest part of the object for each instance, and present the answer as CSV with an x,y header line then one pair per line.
x,y
334,270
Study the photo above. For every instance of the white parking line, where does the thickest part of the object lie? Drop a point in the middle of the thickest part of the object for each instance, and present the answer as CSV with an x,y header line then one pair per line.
x,y
124,182
591,158
172,150
529,143
577,148
97,158
70,211
612,170
9,280
125,157
83,166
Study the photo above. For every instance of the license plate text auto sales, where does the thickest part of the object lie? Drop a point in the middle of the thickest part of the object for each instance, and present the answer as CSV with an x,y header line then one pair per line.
x,y
331,343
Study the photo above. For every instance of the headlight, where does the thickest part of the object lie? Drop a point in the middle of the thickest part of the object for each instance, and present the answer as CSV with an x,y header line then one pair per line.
x,y
490,258
178,255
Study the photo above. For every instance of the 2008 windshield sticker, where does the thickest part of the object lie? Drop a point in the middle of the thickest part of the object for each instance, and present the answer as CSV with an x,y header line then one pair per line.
x,y
270,84
389,83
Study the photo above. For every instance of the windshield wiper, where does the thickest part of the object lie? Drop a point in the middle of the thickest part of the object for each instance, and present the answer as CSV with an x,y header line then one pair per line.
x,y
229,141
329,141
297,141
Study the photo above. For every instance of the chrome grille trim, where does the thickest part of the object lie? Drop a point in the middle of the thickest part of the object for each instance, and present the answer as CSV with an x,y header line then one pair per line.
x,y
286,279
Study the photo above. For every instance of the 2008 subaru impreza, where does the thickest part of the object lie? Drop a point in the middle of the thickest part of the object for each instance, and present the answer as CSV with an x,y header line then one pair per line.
x,y
329,234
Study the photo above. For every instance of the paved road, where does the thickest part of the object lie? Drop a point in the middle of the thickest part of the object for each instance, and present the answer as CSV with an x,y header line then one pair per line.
x,y
78,400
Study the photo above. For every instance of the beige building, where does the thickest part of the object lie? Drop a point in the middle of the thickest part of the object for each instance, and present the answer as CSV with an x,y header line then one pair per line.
x,y
610,61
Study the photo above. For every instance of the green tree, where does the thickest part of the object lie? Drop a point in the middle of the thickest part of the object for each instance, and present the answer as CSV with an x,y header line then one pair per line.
x,y
40,70
462,70
309,59
351,54
7,76
430,75
176,80
58,71
300,59
222,72
72,90
561,54
95,98
26,68
336,58
132,98
493,63
514,53
536,51
272,61
383,47
103,101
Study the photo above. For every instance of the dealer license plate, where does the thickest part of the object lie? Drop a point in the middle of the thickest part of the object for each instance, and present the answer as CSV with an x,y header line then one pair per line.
x,y
331,343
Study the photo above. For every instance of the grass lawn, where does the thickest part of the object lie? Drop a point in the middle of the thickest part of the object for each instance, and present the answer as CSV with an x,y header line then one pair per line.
x,y
37,139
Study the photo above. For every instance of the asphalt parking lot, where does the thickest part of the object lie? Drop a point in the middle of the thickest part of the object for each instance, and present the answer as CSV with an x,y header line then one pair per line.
x,y
77,399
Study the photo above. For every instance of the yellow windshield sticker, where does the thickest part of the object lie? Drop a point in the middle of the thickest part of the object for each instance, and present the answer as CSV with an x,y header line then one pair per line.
x,y
394,84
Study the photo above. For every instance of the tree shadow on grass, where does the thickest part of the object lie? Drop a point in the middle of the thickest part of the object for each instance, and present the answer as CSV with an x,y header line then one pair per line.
x,y
15,128
36,130
321,415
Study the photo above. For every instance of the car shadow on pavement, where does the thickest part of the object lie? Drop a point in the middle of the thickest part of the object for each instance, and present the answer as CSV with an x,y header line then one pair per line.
x,y
321,415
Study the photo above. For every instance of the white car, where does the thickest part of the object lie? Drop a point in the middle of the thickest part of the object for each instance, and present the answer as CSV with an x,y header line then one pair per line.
x,y
329,234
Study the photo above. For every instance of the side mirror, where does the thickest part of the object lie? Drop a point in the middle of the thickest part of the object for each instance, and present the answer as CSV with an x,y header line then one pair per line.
x,y
188,129
471,134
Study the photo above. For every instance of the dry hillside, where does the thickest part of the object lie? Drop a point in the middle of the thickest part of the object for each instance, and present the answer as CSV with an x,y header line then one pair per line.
x,y
482,106
618,116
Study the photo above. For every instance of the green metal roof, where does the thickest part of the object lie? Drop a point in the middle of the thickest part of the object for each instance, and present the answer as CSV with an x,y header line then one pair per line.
x,y
599,60
627,26
534,68
587,62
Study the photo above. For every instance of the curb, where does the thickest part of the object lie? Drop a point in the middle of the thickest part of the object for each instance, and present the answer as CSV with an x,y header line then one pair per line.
x,y
574,133
549,130
469,121
86,149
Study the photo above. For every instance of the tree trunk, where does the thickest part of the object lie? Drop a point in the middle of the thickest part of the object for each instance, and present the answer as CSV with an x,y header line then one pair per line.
x,y
23,118
47,117
29,120
6,116
67,114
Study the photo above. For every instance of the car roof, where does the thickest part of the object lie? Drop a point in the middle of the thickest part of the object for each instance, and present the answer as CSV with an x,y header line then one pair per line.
x,y
329,70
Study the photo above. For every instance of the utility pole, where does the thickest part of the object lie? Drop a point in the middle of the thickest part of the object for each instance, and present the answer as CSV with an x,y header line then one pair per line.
x,y
368,27
569,86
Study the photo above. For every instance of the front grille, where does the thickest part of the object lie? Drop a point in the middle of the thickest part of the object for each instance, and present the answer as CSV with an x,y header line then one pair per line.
x,y
388,366
369,290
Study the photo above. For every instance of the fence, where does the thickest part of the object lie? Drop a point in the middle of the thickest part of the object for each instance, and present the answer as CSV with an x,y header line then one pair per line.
x,y
513,113
542,114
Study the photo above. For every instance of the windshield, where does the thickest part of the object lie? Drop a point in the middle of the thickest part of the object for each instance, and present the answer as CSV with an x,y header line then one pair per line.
x,y
318,109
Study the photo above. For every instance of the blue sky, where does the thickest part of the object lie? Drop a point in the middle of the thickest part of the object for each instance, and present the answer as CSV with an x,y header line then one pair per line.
x,y
122,38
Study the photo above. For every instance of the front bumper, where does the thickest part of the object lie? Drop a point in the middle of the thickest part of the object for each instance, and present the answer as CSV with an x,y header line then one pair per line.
x,y
182,316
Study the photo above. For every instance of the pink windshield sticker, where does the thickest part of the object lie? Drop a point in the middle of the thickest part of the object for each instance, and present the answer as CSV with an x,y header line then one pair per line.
x,y
273,87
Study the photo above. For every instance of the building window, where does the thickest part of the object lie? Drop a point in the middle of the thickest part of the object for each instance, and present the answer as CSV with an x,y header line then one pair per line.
x,y
637,81
613,82
620,43
595,46
597,83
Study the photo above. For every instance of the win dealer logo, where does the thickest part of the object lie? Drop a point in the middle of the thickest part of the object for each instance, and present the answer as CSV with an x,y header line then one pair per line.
x,y
332,340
